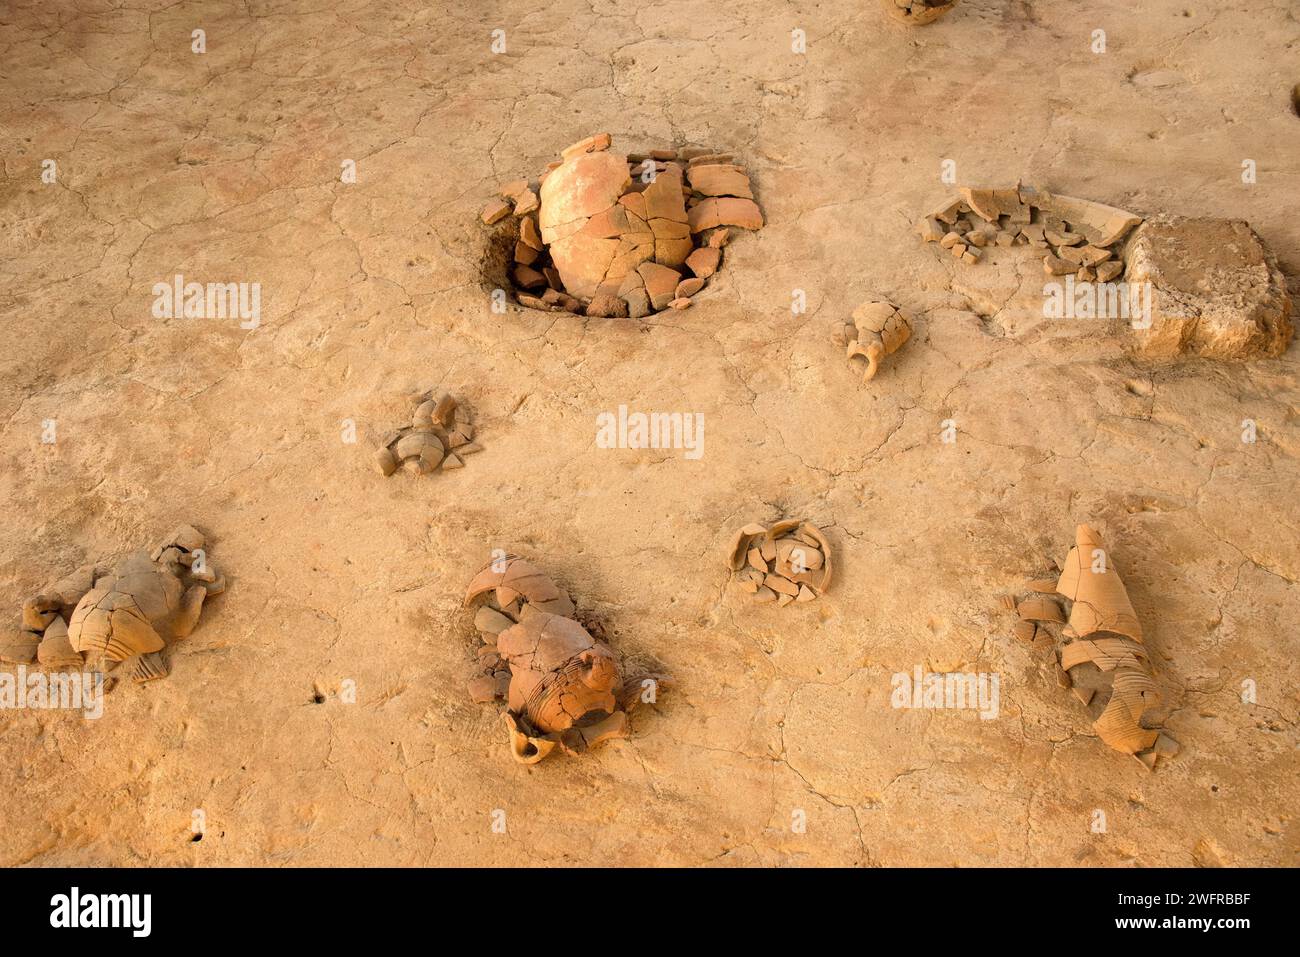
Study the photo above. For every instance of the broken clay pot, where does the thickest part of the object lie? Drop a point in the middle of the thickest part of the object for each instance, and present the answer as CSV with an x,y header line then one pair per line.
x,y
878,329
440,434
99,618
615,235
1075,236
1102,659
562,687
788,561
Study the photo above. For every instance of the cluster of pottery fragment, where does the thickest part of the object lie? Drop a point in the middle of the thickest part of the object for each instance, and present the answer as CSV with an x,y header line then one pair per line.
x,y
1079,236
440,436
1101,658
103,615
562,687
784,562
623,235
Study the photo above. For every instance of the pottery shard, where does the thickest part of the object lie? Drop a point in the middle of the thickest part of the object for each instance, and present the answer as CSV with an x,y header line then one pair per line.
x,y
989,204
1100,224
1072,254
525,203
1040,609
872,316
630,283
663,198
660,283
422,448
57,652
1109,270
1100,601
525,254
1093,255
719,180
704,261
725,211
1062,238
528,233
638,303
39,612
1055,266
490,621
782,586
930,230
482,689
689,287
1216,289
495,211
581,187
149,667
415,443
385,461
592,144
741,543
422,417
528,278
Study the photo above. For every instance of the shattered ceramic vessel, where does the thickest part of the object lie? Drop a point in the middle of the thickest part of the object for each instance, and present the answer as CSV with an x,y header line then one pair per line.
x,y
99,619
440,435
879,328
562,687
917,12
1081,238
787,561
620,235
1102,659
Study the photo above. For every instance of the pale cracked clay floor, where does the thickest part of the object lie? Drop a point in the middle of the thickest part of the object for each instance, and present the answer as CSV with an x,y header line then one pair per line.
x,y
225,166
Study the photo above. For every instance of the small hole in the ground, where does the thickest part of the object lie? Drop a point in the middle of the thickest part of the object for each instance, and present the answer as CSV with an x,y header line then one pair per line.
x,y
318,698
196,838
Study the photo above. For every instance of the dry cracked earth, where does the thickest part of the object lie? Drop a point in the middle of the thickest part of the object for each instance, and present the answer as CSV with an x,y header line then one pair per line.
x,y
225,166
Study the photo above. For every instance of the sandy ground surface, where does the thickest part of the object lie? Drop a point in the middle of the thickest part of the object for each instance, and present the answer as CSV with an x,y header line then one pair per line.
x,y
225,166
